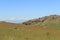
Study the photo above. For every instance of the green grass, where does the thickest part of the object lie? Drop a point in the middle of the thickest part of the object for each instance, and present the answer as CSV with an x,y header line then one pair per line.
x,y
23,34
52,24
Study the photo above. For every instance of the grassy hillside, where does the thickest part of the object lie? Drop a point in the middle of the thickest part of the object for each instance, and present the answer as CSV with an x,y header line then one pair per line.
x,y
45,28
23,34
10,31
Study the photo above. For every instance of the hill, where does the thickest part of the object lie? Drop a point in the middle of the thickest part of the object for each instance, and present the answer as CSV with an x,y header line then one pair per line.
x,y
13,31
11,25
52,21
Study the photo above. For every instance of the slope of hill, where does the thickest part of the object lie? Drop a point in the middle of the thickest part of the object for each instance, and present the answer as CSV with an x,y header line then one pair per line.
x,y
11,25
11,31
52,21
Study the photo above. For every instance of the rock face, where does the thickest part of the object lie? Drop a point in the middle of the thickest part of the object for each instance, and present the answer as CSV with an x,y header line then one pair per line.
x,y
43,20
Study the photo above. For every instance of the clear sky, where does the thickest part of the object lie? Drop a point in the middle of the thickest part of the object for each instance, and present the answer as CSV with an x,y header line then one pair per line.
x,y
28,8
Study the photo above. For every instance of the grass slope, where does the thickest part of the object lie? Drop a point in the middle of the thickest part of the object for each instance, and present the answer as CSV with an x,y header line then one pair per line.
x,y
27,33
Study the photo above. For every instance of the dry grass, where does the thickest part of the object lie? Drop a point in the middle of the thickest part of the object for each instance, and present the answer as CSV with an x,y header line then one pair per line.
x,y
23,32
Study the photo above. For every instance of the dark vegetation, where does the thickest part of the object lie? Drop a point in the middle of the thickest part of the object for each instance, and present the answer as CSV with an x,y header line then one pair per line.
x,y
47,21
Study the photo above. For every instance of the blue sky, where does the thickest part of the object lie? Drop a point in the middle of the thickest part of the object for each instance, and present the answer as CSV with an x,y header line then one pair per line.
x,y
28,8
